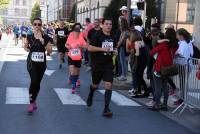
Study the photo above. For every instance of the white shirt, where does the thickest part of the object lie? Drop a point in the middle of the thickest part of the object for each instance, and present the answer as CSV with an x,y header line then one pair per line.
x,y
185,49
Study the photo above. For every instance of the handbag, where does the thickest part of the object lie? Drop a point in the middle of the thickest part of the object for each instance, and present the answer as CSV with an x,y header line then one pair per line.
x,y
169,71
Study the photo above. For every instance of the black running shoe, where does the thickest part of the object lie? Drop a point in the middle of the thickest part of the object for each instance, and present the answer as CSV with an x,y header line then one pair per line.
x,y
107,113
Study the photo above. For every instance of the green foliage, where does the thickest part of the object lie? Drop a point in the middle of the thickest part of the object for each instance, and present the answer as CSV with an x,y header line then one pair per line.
x,y
112,11
2,2
36,12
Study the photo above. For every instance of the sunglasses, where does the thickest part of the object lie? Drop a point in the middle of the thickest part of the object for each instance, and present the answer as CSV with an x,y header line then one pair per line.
x,y
37,24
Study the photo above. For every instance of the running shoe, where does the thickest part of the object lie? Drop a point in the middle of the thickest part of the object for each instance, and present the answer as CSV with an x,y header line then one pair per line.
x,y
34,105
131,91
150,103
107,113
31,108
73,90
78,83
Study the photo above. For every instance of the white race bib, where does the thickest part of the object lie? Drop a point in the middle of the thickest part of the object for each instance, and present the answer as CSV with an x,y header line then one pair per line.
x,y
108,45
75,52
61,33
24,32
37,56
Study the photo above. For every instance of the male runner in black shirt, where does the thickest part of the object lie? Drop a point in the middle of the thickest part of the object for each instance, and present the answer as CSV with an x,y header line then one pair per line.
x,y
101,50
61,38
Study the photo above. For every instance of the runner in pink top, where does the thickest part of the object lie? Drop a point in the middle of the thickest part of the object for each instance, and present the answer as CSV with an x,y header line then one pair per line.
x,y
75,43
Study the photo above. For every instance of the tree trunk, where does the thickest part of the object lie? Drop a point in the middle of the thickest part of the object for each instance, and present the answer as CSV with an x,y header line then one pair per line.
x,y
197,24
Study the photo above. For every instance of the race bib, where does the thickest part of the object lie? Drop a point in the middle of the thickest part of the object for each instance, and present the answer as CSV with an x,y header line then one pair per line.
x,y
37,56
108,45
75,52
61,33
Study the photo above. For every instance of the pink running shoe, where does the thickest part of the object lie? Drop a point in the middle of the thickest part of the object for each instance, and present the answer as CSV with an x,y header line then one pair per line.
x,y
31,108
73,90
78,83
34,105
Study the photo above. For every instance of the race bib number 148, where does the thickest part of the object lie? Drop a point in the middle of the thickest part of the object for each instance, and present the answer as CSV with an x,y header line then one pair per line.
x,y
37,57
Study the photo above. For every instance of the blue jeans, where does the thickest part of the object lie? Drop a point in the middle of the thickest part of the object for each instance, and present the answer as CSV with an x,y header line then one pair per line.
x,y
123,62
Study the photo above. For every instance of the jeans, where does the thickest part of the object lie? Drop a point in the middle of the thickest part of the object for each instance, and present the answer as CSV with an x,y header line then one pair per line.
x,y
160,86
123,62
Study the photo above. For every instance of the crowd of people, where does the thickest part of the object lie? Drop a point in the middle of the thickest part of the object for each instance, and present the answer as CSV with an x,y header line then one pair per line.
x,y
109,55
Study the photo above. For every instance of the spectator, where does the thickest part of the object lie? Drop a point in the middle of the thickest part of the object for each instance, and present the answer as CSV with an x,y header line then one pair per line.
x,y
162,53
138,63
122,47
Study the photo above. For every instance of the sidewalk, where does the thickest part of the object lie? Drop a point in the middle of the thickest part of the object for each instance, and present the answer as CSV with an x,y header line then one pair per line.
x,y
187,119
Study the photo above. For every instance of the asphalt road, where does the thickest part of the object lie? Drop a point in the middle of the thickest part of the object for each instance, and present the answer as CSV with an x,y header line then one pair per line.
x,y
62,113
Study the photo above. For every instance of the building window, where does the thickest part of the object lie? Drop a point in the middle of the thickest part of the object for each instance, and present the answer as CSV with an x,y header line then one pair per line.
x,y
17,11
191,11
23,12
24,2
17,2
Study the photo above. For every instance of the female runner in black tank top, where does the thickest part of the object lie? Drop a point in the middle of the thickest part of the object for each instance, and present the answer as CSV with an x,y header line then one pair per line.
x,y
36,44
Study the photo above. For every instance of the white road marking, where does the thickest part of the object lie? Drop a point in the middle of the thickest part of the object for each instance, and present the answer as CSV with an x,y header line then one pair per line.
x,y
120,99
17,95
49,72
67,98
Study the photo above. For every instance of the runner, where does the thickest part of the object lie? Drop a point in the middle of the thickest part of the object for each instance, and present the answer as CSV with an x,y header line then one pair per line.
x,y
16,33
36,44
102,64
24,30
61,37
75,44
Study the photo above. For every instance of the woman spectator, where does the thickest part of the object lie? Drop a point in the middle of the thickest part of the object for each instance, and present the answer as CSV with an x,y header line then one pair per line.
x,y
122,47
184,52
163,54
138,62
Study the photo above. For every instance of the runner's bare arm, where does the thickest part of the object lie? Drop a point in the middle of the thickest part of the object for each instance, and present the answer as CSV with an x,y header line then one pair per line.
x,y
26,46
49,48
97,49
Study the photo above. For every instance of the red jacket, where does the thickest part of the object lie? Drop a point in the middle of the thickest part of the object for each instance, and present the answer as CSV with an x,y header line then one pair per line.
x,y
164,57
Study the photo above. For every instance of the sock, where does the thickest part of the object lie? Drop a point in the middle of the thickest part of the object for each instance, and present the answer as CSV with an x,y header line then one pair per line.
x,y
74,80
92,90
107,97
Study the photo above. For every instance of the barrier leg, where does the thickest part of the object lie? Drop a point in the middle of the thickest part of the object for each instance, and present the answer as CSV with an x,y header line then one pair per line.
x,y
173,112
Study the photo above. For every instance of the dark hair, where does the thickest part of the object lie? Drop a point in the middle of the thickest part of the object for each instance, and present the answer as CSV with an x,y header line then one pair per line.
x,y
104,19
124,25
170,34
186,35
76,24
135,35
138,21
37,18
97,20
87,20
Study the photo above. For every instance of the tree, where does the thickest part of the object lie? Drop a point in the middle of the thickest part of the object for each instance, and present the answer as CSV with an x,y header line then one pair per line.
x,y
112,11
4,3
73,14
36,12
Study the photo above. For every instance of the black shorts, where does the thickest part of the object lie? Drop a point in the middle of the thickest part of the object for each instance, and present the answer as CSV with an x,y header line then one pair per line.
x,y
23,35
16,36
61,47
76,63
105,73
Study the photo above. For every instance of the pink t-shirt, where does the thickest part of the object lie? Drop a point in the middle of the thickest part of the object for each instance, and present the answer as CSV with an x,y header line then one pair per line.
x,y
75,53
88,28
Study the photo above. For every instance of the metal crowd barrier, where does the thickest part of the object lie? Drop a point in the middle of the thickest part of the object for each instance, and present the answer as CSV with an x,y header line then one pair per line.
x,y
188,86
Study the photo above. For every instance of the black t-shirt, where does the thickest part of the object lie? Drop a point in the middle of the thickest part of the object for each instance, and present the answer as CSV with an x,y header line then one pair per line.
x,y
61,34
103,41
92,35
36,46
